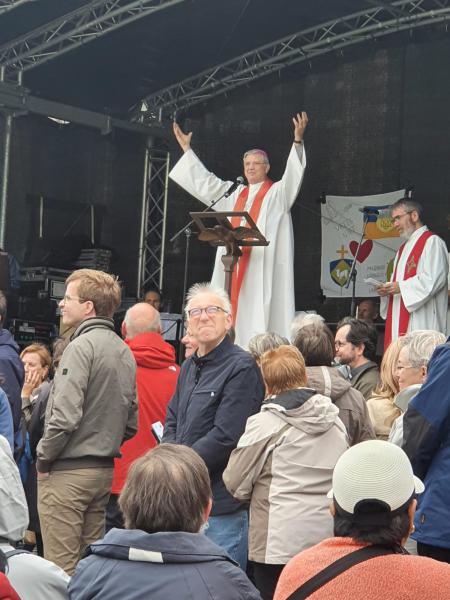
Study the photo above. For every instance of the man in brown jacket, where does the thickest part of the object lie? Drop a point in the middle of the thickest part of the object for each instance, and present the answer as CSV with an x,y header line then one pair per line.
x,y
91,411
315,342
355,345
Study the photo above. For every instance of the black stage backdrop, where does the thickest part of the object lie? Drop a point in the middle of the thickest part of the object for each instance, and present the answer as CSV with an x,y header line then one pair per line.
x,y
379,120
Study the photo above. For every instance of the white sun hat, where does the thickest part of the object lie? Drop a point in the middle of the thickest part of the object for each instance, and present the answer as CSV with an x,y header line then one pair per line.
x,y
375,477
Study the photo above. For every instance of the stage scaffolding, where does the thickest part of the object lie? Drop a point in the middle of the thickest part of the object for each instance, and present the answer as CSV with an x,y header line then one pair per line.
x,y
153,218
16,102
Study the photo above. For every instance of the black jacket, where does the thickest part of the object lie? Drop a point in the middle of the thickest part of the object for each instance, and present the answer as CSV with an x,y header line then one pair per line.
x,y
174,565
215,395
12,373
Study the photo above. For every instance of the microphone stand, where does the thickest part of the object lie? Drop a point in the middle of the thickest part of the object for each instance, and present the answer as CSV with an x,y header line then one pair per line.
x,y
353,272
187,230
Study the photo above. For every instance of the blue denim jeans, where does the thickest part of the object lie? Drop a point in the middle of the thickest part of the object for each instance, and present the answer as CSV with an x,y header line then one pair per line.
x,y
230,532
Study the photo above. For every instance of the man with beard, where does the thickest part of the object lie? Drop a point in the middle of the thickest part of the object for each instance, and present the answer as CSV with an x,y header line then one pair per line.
x,y
416,296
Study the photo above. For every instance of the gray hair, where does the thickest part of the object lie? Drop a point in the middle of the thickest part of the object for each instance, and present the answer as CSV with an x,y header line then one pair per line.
x,y
135,326
262,342
207,288
257,151
421,345
303,319
410,206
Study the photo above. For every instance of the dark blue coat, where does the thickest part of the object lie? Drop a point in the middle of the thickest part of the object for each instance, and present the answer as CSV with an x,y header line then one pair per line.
x,y
133,565
426,437
12,373
6,422
214,397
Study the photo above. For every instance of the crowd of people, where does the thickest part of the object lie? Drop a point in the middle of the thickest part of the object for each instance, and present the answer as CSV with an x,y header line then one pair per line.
x,y
290,469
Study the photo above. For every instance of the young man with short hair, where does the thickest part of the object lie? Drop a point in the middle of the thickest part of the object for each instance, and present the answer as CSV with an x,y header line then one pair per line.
x,y
90,412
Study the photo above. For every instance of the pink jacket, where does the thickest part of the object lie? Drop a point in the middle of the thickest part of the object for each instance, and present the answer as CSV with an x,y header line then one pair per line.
x,y
393,577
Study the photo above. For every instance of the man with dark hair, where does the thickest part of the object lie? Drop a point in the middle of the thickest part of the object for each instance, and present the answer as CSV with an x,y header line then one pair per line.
x,y
11,373
153,296
316,343
373,504
91,411
368,309
219,387
162,553
416,295
355,346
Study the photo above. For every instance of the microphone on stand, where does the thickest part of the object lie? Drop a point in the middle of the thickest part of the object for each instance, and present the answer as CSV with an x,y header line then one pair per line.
x,y
369,210
233,186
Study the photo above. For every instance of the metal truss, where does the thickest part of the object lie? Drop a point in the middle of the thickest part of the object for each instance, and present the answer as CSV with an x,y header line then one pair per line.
x,y
69,31
10,4
153,219
385,18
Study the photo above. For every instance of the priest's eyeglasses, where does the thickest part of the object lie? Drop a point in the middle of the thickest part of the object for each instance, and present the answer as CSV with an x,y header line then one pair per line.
x,y
195,313
397,218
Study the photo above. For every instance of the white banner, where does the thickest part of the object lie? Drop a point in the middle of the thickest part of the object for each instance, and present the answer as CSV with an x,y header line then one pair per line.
x,y
342,227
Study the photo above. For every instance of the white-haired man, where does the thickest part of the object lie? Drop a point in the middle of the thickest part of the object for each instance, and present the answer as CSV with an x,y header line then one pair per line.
x,y
219,387
256,307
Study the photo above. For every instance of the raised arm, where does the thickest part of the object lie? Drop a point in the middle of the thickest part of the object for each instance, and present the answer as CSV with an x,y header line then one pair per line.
x,y
296,163
300,122
190,173
184,139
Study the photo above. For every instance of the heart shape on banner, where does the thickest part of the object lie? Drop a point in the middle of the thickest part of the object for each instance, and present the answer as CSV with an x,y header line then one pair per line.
x,y
364,251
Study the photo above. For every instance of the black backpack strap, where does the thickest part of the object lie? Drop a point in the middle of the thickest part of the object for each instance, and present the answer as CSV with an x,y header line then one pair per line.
x,y
338,567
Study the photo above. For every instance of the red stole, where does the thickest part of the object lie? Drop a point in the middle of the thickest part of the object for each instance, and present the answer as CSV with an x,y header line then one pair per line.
x,y
410,271
241,267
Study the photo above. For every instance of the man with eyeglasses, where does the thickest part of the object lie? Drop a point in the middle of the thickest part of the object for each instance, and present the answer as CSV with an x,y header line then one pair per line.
x,y
256,307
416,295
218,388
92,409
355,345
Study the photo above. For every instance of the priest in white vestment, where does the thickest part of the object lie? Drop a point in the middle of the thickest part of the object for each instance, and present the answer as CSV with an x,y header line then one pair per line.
x,y
418,286
266,297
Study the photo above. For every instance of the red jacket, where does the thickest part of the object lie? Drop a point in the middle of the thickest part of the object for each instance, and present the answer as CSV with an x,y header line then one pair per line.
x,y
6,590
156,378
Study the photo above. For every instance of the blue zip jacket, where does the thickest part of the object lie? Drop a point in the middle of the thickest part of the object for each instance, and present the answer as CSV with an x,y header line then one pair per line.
x,y
426,426
6,422
133,565
12,373
214,397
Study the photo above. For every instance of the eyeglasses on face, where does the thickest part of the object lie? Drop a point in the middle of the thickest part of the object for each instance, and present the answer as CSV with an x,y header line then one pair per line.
x,y
338,344
397,218
67,298
404,367
194,313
